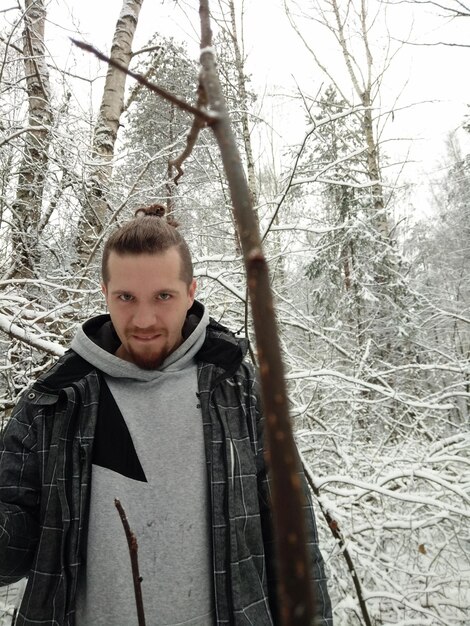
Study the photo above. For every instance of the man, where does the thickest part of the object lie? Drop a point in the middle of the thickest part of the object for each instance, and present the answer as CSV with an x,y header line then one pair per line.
x,y
154,404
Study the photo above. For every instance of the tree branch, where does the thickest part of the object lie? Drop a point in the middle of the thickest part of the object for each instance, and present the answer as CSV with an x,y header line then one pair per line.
x,y
15,331
296,602
337,534
197,125
207,117
133,548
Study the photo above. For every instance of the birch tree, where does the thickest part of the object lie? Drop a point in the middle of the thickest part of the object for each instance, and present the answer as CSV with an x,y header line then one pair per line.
x,y
97,207
350,24
26,209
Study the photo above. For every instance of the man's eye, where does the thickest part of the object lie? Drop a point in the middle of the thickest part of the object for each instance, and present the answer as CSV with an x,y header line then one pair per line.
x,y
125,297
164,296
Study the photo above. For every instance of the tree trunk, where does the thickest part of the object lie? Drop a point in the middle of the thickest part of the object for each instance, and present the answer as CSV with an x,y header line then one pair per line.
x,y
93,217
26,209
241,83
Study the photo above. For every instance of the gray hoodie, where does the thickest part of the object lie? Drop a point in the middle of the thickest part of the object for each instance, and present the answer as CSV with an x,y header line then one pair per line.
x,y
169,513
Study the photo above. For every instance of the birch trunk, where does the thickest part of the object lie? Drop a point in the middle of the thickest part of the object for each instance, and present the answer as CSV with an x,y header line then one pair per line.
x,y
94,212
26,209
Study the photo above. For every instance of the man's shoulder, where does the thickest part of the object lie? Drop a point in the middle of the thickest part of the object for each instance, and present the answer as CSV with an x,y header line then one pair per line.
x,y
68,370
222,347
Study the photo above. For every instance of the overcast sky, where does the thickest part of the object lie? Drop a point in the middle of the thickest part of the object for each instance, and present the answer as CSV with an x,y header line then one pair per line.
x,y
433,81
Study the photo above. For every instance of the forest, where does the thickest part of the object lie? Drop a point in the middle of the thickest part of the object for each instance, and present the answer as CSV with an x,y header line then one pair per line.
x,y
368,270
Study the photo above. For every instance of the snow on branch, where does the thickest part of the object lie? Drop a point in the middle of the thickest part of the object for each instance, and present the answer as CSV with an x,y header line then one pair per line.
x,y
26,129
332,118
386,393
15,331
333,181
366,487
218,276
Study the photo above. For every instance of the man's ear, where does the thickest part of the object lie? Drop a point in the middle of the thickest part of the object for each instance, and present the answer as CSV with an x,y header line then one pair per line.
x,y
192,291
104,290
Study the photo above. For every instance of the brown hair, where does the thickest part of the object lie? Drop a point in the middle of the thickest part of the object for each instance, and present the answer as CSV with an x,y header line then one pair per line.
x,y
148,233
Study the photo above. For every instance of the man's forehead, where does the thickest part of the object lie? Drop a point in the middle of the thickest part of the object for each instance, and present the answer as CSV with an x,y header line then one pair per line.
x,y
170,258
139,256
156,267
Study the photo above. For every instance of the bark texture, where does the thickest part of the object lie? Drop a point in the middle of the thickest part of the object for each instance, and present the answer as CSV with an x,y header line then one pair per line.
x,y
32,175
94,212
241,83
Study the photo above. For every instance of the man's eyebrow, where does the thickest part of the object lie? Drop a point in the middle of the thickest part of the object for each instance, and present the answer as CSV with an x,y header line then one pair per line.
x,y
129,291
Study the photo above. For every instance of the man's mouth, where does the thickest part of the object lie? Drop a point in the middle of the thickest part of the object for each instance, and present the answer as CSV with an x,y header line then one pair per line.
x,y
145,337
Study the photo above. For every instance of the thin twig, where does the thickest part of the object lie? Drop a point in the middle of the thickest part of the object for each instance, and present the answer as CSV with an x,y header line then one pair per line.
x,y
133,547
337,534
208,118
191,139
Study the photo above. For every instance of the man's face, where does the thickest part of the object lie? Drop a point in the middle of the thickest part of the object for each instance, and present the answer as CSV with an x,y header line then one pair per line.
x,y
147,301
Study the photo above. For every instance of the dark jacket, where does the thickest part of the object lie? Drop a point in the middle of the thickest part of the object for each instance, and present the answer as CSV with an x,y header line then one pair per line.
x,y
45,471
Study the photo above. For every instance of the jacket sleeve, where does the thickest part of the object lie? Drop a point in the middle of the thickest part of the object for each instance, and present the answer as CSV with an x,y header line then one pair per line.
x,y
321,597
19,496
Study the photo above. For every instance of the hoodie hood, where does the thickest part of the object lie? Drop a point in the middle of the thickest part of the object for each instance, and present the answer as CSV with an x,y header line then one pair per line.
x,y
220,348
96,342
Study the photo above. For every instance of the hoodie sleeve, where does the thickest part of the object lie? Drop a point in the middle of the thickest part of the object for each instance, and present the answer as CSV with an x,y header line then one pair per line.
x,y
19,496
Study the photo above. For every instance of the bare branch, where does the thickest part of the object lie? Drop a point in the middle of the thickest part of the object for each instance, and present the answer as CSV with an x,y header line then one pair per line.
x,y
295,592
133,549
197,125
207,117
435,43
337,534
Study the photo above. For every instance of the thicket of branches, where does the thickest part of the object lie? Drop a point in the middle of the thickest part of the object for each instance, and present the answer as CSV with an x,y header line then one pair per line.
x,y
374,320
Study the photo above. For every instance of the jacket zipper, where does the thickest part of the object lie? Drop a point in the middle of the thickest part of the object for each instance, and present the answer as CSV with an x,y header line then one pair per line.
x,y
232,463
230,473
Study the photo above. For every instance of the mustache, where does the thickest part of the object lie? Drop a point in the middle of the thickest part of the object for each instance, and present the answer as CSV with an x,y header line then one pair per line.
x,y
149,330
145,331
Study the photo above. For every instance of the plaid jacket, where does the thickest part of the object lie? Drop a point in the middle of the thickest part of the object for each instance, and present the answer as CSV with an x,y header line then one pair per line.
x,y
45,470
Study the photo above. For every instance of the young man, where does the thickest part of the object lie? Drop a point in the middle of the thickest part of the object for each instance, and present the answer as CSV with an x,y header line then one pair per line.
x,y
154,404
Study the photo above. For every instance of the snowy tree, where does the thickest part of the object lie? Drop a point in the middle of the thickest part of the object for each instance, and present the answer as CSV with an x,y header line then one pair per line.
x,y
377,361
27,207
96,205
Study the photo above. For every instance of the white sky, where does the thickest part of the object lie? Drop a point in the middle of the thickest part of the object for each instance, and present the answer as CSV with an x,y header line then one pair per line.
x,y
277,61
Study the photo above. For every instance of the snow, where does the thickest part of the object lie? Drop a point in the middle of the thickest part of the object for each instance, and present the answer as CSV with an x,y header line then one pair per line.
x,y
12,329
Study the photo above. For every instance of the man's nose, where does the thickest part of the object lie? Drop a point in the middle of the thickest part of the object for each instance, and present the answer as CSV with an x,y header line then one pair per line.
x,y
144,317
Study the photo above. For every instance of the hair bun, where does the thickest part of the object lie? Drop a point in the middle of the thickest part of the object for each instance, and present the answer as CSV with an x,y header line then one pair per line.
x,y
156,210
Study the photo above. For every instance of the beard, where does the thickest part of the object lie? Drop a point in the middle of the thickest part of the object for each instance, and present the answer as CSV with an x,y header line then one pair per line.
x,y
147,357
150,361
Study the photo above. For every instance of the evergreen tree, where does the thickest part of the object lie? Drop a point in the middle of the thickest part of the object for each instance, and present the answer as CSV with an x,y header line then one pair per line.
x,y
356,272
